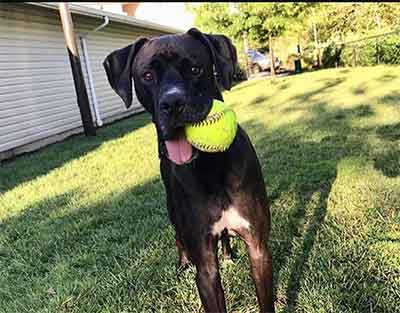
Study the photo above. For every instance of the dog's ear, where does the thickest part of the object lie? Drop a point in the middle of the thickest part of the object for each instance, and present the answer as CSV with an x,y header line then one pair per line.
x,y
233,52
222,65
118,67
227,50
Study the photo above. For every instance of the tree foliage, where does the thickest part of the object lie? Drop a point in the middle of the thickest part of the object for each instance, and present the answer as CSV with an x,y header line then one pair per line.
x,y
258,20
334,20
309,23
344,21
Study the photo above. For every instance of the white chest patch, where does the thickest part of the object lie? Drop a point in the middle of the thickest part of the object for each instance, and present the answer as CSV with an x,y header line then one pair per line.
x,y
231,220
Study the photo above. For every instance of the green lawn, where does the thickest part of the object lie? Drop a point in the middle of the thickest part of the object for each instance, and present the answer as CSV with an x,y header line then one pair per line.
x,y
84,228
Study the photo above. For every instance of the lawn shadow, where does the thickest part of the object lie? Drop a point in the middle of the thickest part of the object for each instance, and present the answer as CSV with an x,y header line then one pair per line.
x,y
301,179
306,170
389,132
344,71
57,154
390,99
284,85
75,258
259,100
388,162
244,84
387,78
328,84
360,89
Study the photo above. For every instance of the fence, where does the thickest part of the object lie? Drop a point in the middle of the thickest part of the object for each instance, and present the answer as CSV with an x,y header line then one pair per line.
x,y
373,50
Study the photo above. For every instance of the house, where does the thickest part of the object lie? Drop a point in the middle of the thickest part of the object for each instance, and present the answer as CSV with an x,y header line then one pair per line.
x,y
158,12
38,102
122,8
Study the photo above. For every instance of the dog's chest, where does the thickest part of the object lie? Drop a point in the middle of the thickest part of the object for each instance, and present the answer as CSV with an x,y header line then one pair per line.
x,y
230,220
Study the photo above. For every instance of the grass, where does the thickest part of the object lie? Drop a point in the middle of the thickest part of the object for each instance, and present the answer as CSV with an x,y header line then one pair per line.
x,y
84,228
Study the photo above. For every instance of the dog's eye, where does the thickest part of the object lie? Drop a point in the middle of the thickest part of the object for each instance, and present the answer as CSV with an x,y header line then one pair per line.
x,y
148,76
196,70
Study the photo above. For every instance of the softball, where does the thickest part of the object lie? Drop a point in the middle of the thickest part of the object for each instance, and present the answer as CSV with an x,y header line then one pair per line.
x,y
216,132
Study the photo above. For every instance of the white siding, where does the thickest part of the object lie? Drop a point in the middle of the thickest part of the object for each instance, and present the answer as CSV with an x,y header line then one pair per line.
x,y
99,45
37,96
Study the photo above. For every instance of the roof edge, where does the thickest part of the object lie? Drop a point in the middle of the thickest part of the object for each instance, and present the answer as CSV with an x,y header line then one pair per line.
x,y
78,9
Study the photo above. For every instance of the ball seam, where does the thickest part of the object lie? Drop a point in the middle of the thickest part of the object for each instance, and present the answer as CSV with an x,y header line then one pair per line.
x,y
209,148
212,119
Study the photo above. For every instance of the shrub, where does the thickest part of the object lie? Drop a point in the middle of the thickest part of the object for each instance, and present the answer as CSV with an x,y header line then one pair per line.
x,y
331,56
390,50
363,53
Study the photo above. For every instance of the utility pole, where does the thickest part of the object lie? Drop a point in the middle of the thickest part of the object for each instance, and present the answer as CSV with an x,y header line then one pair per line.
x,y
79,82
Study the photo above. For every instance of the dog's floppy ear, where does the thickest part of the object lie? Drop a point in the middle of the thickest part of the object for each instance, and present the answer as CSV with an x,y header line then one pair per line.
x,y
118,66
233,52
222,66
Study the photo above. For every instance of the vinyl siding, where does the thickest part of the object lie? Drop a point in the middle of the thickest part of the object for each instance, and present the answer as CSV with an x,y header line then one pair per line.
x,y
99,45
37,95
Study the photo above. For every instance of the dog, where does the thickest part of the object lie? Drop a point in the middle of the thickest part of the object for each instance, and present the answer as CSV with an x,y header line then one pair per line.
x,y
210,196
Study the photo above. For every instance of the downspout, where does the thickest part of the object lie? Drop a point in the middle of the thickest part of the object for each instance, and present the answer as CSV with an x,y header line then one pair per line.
x,y
88,68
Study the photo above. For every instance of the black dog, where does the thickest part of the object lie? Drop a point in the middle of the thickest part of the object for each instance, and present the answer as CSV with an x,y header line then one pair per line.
x,y
210,196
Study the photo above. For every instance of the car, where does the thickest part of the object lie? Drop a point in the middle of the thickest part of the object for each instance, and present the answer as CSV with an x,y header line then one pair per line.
x,y
260,62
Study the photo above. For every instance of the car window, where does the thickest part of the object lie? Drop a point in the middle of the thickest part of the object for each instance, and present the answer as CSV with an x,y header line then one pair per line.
x,y
259,54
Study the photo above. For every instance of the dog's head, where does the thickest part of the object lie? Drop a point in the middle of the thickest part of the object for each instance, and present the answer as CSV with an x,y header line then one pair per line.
x,y
175,80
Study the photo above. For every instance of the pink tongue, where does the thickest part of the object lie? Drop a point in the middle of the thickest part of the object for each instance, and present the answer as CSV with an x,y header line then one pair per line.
x,y
179,149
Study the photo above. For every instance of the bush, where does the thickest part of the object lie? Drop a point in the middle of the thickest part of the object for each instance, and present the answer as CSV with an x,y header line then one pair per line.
x,y
390,50
364,54
307,56
331,56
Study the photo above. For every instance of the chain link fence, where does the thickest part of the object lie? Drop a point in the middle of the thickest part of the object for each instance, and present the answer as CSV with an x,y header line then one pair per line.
x,y
373,50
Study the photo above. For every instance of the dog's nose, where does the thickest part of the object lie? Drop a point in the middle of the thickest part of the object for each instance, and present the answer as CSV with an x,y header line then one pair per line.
x,y
172,101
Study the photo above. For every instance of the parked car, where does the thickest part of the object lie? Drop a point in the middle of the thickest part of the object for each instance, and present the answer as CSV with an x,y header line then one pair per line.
x,y
260,62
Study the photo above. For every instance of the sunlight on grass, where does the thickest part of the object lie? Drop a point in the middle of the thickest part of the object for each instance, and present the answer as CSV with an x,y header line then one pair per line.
x,y
84,226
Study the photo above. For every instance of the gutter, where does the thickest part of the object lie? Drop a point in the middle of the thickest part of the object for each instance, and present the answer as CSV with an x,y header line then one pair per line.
x,y
82,39
86,11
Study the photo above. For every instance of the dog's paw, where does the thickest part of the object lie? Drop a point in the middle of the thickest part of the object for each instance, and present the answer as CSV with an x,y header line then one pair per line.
x,y
182,267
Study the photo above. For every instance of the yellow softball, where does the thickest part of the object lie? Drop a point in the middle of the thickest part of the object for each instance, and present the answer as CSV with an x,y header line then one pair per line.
x,y
216,132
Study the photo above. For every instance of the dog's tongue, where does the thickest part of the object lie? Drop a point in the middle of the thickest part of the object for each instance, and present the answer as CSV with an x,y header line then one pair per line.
x,y
179,149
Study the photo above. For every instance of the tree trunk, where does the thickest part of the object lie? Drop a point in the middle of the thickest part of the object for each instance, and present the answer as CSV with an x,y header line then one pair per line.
x,y
378,24
271,56
246,49
316,42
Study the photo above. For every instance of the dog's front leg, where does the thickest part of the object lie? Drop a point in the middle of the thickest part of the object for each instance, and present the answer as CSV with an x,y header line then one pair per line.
x,y
208,279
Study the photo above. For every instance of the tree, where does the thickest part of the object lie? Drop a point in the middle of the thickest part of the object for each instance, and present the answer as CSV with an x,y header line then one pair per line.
x,y
340,22
260,21
316,24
